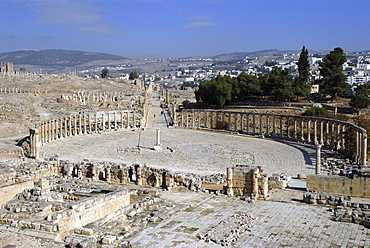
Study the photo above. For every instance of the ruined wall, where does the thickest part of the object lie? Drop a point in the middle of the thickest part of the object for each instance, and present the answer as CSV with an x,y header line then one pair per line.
x,y
339,185
89,210
7,193
247,182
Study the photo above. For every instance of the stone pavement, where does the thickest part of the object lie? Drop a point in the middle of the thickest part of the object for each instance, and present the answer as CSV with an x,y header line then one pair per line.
x,y
183,149
282,221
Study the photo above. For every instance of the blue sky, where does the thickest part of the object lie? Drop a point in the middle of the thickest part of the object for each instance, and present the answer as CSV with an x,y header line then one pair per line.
x,y
179,28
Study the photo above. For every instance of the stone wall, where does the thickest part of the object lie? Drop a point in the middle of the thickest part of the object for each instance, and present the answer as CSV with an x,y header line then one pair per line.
x,y
7,193
332,134
247,182
339,185
89,210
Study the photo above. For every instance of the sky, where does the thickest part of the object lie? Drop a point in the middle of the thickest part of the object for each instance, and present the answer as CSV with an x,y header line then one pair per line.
x,y
181,28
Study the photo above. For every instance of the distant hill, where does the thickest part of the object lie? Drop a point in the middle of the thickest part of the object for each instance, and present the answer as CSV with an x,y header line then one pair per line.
x,y
242,55
55,57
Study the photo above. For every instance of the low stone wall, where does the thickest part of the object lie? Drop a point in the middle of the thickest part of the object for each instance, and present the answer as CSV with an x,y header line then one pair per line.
x,y
89,210
7,193
339,185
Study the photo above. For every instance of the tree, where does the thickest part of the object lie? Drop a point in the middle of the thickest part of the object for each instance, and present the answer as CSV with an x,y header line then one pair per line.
x,y
361,99
217,91
249,85
316,111
133,76
300,84
104,73
333,81
277,83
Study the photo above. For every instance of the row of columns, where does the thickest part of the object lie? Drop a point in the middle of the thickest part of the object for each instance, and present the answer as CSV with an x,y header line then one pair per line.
x,y
94,97
19,90
80,124
333,134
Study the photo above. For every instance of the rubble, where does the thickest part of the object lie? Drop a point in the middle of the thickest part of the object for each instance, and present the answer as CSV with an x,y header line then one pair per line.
x,y
229,230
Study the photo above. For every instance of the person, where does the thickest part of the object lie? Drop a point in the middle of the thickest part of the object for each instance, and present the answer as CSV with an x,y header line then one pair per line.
x,y
128,245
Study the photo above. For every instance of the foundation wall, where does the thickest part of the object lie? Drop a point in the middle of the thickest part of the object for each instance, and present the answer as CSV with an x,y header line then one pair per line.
x,y
339,185
90,210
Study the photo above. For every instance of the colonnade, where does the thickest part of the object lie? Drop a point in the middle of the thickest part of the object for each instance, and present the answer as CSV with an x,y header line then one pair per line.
x,y
336,135
15,90
94,96
81,124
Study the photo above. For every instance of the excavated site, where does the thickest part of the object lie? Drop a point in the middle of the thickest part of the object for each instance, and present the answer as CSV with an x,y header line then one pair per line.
x,y
115,163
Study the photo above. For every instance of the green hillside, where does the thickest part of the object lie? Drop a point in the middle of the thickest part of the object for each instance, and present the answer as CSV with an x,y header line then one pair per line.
x,y
54,57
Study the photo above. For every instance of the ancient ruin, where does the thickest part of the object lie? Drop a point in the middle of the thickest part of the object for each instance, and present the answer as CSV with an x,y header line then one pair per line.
x,y
229,196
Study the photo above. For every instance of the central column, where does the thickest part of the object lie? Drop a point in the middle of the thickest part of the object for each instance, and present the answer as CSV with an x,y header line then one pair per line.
x,y
157,140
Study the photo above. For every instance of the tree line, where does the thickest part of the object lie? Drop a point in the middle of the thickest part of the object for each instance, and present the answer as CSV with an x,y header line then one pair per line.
x,y
278,83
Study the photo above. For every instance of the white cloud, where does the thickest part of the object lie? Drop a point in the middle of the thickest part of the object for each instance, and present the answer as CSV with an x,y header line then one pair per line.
x,y
198,24
85,18
96,30
65,12
204,18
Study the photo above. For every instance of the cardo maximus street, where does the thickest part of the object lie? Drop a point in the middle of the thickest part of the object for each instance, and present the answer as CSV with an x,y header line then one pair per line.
x,y
174,216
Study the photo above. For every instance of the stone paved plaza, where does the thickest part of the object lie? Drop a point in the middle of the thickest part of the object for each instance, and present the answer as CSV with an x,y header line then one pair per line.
x,y
189,150
282,221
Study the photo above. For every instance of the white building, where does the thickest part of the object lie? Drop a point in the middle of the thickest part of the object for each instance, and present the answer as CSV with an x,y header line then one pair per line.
x,y
357,80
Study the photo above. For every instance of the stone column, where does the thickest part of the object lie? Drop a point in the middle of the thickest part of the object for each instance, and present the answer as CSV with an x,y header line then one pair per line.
x,y
229,180
357,155
302,130
295,135
261,124
318,159
343,137
255,184
281,126
103,121
174,115
267,133
157,140
321,132
192,118
274,126
75,125
187,119
247,123
96,122
364,148
254,124
109,121
200,114
315,131
85,116
309,131
182,119
211,121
